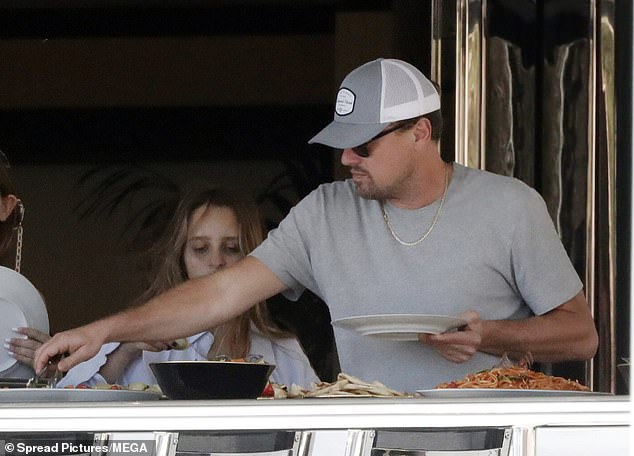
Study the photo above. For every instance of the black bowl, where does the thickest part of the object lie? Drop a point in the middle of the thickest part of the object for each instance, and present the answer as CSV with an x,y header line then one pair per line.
x,y
211,379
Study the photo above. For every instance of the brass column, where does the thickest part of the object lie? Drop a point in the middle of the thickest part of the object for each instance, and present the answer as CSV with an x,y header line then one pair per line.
x,y
531,84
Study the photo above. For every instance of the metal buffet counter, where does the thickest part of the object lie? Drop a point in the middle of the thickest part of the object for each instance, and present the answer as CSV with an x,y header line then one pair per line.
x,y
322,427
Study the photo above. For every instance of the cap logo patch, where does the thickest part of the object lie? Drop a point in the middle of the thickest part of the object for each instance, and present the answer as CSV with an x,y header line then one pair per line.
x,y
345,102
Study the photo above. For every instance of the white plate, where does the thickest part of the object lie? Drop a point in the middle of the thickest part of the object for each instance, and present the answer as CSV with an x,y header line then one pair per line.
x,y
20,305
400,327
15,395
12,317
455,393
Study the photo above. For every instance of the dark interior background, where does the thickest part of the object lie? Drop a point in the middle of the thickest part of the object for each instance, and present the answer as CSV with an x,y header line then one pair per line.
x,y
103,95
84,112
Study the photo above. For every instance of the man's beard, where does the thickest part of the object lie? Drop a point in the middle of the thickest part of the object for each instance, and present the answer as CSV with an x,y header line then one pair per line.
x,y
370,191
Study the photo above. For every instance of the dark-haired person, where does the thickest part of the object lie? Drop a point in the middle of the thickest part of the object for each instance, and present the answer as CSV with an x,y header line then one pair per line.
x,y
23,342
11,209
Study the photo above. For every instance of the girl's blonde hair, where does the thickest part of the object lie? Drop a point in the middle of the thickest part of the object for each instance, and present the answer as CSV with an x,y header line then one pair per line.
x,y
230,338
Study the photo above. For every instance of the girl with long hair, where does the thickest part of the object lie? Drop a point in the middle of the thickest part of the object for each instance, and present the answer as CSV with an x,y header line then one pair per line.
x,y
211,230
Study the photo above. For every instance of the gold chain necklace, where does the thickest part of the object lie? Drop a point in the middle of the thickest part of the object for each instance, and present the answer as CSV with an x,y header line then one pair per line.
x,y
433,222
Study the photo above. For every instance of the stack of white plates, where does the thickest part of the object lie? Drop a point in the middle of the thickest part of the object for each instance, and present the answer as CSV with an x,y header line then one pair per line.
x,y
399,327
21,304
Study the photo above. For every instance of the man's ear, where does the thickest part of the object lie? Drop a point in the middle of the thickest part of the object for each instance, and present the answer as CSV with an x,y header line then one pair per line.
x,y
422,129
7,204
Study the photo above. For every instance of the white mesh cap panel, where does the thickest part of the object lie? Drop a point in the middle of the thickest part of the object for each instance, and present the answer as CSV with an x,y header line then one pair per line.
x,y
404,94
401,87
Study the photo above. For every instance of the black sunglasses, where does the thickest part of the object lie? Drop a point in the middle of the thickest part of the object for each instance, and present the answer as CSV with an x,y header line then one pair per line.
x,y
363,151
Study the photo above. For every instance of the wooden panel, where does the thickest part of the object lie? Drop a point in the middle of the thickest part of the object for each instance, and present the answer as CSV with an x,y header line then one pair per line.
x,y
230,71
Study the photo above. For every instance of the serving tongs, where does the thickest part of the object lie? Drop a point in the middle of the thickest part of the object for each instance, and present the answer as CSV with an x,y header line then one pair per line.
x,y
42,380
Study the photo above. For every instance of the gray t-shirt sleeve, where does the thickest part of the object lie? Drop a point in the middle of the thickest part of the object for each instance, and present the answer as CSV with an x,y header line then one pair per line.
x,y
286,250
543,271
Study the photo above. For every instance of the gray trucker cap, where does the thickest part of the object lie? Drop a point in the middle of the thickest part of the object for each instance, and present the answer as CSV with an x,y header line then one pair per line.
x,y
374,95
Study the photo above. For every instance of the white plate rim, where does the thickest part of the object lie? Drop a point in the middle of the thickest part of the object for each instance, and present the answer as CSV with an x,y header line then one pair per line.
x,y
16,288
456,393
399,326
12,316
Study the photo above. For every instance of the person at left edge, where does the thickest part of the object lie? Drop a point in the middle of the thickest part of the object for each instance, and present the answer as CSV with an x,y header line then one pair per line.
x,y
22,346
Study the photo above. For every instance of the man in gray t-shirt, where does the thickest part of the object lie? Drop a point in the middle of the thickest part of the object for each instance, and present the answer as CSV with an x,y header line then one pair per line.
x,y
407,234
493,249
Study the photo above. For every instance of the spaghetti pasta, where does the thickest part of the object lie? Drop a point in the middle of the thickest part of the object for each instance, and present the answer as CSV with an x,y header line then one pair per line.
x,y
515,377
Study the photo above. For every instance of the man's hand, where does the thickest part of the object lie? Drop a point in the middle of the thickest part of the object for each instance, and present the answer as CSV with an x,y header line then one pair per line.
x,y
566,333
78,344
457,346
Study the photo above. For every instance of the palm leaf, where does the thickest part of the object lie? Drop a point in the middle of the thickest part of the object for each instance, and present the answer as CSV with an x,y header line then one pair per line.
x,y
106,191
